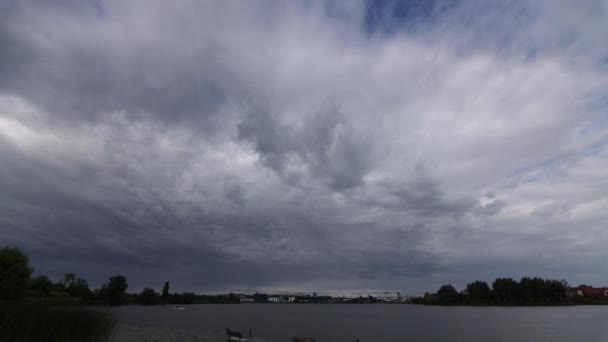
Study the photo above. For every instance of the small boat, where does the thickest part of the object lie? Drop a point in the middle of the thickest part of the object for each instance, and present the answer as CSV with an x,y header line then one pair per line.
x,y
233,335
239,339
177,307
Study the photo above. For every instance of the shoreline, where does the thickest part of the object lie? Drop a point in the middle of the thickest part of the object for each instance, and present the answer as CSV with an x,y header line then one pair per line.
x,y
515,304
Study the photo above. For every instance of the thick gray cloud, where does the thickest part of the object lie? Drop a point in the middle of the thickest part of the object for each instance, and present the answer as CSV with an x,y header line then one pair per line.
x,y
303,146
324,144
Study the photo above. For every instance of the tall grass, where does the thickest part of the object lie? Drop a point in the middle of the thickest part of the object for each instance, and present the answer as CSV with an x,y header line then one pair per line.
x,y
37,323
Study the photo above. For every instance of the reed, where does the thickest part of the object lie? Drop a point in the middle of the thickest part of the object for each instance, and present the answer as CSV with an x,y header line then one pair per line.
x,y
37,323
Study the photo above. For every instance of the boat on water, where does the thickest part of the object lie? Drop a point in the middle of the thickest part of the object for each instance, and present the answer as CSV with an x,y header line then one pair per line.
x,y
177,307
234,338
233,335
243,339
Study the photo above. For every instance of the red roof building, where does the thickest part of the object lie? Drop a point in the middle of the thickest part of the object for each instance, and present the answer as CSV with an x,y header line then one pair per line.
x,y
590,291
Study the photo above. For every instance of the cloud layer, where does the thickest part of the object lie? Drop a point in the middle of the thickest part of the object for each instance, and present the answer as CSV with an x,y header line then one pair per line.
x,y
305,145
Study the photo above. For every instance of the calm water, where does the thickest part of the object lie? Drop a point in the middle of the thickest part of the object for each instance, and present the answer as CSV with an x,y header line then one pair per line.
x,y
379,323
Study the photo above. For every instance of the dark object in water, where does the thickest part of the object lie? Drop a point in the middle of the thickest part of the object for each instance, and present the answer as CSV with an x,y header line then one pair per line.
x,y
303,339
234,333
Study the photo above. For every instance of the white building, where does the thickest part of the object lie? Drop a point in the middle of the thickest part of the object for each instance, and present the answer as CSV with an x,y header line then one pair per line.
x,y
388,297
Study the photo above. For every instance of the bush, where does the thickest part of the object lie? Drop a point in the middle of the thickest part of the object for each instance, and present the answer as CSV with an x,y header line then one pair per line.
x,y
35,323
15,273
41,284
148,297
113,292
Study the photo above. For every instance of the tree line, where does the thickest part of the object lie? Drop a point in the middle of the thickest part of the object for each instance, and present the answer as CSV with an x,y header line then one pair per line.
x,y
17,282
505,291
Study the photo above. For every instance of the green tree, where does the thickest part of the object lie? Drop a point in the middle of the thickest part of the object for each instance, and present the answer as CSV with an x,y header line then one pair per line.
x,y
77,286
532,289
478,290
447,294
114,290
263,298
556,290
148,297
430,298
68,280
233,298
526,286
41,284
165,295
188,297
176,298
506,289
15,273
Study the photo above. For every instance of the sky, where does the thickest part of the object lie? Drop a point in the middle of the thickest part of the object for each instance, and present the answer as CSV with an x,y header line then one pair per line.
x,y
327,146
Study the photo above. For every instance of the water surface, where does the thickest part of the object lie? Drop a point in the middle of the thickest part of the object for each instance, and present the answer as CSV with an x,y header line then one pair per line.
x,y
379,322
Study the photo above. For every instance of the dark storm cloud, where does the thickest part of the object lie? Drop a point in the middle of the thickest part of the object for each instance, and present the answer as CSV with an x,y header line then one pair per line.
x,y
294,146
324,143
425,198
83,76
51,214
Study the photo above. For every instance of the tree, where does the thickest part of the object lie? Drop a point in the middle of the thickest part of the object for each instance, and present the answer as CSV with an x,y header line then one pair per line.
x,y
176,298
532,289
41,284
148,297
478,290
165,294
77,286
15,272
506,289
555,289
188,297
447,294
68,280
233,298
114,290
260,297
526,286
430,299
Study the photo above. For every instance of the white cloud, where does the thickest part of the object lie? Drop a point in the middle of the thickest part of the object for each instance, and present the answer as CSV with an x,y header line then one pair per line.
x,y
282,134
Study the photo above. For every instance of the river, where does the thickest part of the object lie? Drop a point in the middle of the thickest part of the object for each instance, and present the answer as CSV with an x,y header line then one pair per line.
x,y
378,322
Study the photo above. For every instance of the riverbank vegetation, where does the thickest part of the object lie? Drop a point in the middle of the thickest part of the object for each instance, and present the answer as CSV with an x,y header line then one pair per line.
x,y
34,309
27,322
18,284
528,291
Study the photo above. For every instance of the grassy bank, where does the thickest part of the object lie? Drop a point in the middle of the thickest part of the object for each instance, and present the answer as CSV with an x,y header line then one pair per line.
x,y
21,322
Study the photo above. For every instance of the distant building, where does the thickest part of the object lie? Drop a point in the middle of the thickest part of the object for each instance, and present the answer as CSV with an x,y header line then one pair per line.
x,y
589,291
388,297
275,299
407,298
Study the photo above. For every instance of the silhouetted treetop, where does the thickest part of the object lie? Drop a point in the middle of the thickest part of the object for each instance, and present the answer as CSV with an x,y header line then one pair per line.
x,y
15,273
